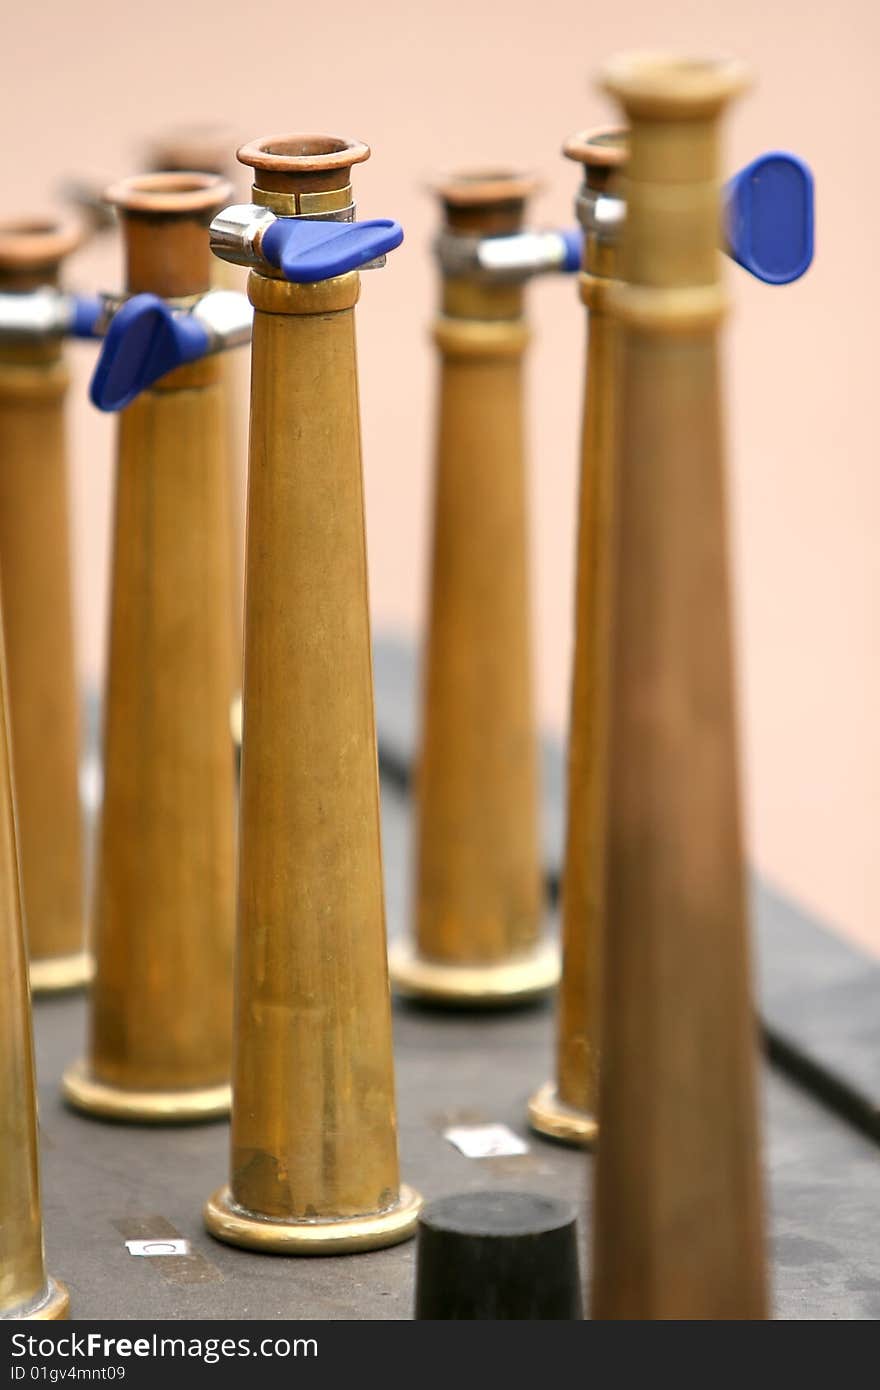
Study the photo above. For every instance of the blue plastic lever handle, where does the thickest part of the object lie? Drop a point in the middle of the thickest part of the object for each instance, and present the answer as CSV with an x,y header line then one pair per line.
x,y
144,342
88,309
769,217
574,248
309,251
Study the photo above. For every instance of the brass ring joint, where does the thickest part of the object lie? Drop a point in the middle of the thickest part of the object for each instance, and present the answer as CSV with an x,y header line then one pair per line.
x,y
205,372
594,291
324,297
304,204
481,338
679,309
33,380
113,300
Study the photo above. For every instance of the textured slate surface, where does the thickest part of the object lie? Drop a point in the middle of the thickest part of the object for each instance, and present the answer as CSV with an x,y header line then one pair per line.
x,y
819,997
820,1001
103,1183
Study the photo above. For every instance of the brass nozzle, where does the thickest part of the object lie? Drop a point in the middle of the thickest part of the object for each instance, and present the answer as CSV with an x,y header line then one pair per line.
x,y
678,1228
160,1029
25,1290
314,1164
566,1108
35,576
478,897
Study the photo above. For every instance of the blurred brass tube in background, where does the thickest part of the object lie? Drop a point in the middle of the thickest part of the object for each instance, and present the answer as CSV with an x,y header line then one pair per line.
x,y
566,1108
25,1289
478,899
314,1163
160,1028
678,1227
35,570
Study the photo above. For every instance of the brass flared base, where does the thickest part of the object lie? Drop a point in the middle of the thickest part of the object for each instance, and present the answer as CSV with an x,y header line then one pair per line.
x,y
236,1226
84,1092
474,986
58,974
551,1116
51,1306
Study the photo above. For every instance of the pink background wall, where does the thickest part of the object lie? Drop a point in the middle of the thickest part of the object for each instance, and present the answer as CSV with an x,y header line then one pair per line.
x,y
438,85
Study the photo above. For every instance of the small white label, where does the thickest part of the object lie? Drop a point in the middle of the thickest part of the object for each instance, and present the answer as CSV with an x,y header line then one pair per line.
x,y
485,1141
157,1247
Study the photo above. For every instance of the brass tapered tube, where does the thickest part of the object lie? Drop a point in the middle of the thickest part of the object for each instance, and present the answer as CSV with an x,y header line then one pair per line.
x,y
678,1208
160,1028
566,1108
208,147
314,1165
25,1289
478,882
35,570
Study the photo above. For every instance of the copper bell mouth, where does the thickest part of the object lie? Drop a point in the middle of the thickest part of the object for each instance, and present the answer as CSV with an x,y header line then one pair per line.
x,y
314,1163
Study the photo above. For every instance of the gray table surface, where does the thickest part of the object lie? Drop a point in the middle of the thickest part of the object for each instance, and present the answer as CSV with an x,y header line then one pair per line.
x,y
818,996
104,1183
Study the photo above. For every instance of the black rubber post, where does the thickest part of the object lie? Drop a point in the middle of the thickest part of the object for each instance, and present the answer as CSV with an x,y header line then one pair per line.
x,y
497,1255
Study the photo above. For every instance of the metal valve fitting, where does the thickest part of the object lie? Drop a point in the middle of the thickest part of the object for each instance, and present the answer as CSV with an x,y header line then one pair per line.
x,y
512,259
303,249
47,312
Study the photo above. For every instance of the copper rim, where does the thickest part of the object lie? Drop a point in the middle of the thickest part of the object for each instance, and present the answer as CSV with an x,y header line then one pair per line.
x,y
302,154
468,188
45,239
656,84
182,193
203,145
601,147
